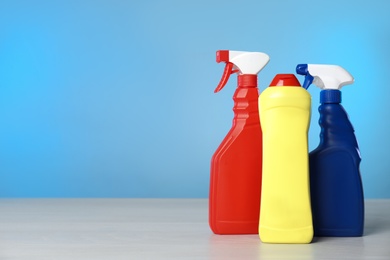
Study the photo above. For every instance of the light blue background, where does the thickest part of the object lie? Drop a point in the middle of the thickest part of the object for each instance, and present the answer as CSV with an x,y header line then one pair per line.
x,y
115,98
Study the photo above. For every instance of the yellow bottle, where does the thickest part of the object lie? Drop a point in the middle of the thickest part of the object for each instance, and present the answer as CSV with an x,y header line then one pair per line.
x,y
285,212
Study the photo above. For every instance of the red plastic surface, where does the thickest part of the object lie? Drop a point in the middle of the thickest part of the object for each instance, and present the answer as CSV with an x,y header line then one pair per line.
x,y
285,80
225,76
222,55
236,166
247,81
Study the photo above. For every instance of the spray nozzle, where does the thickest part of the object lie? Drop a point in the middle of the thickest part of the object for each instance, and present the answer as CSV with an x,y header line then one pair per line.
x,y
324,76
240,62
302,70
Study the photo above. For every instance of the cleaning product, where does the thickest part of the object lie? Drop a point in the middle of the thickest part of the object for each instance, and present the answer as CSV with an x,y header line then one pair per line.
x,y
336,186
235,177
285,214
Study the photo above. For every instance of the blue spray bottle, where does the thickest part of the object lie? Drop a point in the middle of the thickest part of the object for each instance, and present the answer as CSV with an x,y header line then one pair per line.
x,y
335,182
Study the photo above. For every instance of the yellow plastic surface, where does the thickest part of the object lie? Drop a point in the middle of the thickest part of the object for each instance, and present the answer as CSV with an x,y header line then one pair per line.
x,y
285,213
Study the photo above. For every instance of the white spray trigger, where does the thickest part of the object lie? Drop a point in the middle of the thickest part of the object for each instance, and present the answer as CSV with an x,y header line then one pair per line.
x,y
329,76
241,62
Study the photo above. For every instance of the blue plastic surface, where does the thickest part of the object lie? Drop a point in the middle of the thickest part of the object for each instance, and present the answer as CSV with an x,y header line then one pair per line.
x,y
302,69
330,96
335,181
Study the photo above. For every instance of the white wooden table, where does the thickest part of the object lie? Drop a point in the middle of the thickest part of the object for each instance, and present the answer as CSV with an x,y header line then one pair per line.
x,y
160,229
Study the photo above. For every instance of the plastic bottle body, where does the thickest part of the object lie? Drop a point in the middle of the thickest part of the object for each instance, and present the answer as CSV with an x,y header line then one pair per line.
x,y
336,186
235,183
285,199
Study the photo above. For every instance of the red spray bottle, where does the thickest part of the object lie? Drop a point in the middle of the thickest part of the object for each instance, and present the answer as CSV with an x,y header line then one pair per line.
x,y
236,166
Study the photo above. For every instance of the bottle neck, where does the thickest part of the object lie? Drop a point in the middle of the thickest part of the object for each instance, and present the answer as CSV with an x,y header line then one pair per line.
x,y
330,96
246,100
335,126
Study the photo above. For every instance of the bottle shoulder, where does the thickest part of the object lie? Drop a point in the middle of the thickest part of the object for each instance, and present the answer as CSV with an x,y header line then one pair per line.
x,y
335,150
280,91
279,97
241,137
